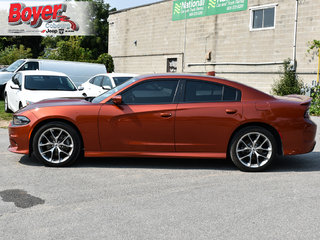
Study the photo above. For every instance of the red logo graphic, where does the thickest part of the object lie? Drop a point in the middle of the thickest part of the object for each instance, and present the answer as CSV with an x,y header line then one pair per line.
x,y
34,16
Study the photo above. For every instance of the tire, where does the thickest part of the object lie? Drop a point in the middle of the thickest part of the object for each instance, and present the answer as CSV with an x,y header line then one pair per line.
x,y
6,107
57,144
253,149
20,105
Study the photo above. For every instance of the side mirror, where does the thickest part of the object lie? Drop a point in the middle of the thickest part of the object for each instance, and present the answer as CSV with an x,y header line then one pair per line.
x,y
117,100
80,88
15,81
106,88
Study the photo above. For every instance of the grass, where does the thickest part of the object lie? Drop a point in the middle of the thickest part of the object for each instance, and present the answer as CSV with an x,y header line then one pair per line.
x,y
3,115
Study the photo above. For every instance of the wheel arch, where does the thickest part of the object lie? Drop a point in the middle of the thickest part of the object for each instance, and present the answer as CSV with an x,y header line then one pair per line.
x,y
266,126
42,123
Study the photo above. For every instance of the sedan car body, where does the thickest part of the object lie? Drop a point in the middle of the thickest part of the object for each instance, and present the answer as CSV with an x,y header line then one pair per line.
x,y
101,83
167,115
32,86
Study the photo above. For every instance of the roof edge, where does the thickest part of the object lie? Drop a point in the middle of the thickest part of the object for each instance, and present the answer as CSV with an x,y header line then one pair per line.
x,y
144,5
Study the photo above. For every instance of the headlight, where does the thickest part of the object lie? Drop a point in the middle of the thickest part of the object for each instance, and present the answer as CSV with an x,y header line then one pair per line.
x,y
20,120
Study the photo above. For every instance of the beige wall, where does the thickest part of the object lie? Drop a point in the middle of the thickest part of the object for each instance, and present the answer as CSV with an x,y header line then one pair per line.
x,y
227,35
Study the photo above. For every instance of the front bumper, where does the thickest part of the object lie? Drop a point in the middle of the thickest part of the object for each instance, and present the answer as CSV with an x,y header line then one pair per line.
x,y
19,139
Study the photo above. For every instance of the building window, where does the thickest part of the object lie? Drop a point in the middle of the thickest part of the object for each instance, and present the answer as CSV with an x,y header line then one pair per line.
x,y
172,64
262,17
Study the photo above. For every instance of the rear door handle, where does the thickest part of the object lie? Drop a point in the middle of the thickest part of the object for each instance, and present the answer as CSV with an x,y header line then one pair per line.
x,y
231,111
165,115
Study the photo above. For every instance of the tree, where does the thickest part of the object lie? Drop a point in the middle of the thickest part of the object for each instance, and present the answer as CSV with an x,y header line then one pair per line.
x,y
69,50
13,53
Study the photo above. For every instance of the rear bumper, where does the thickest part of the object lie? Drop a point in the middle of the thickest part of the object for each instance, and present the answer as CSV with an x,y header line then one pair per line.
x,y
301,140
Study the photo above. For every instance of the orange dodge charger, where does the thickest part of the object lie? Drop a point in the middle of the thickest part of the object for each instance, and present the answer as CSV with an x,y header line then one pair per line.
x,y
167,115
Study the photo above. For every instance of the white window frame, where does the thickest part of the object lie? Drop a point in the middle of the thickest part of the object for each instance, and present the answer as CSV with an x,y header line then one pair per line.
x,y
273,5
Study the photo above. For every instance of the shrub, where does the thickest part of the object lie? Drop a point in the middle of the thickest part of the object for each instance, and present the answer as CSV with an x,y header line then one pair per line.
x,y
13,53
288,83
106,59
315,104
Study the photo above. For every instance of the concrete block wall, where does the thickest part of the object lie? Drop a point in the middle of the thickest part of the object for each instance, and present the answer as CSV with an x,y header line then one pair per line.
x,y
141,39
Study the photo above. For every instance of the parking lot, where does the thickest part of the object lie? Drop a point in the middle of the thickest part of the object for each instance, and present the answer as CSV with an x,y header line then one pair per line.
x,y
159,199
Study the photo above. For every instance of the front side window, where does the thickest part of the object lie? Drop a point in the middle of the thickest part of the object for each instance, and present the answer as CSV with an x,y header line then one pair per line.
x,y
262,17
203,91
30,66
57,83
97,81
106,82
151,92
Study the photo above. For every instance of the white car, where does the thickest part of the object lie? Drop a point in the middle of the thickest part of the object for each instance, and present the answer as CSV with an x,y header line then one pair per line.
x,y
27,87
101,83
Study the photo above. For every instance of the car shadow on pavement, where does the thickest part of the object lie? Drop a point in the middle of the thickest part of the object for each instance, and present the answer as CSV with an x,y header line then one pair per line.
x,y
299,163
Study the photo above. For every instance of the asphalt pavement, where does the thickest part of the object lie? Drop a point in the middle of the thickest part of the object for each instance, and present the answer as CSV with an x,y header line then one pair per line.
x,y
158,199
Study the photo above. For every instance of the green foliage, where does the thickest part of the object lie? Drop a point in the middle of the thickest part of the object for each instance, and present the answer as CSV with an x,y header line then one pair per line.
x,y
32,42
99,42
106,59
13,53
69,51
315,104
315,44
288,83
3,115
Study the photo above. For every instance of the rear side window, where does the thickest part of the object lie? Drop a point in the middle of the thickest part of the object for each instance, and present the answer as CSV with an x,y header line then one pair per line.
x,y
203,91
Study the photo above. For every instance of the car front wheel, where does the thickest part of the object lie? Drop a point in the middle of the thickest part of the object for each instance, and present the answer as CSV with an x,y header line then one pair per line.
x,y
253,149
57,144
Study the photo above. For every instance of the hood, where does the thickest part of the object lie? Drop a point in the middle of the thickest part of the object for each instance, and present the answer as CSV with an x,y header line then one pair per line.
x,y
36,96
56,103
5,77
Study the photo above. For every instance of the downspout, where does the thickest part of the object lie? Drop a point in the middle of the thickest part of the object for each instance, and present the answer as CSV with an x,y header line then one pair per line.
x,y
294,58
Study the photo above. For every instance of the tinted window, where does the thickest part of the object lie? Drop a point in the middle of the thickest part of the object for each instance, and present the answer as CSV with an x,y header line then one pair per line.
x,y
151,92
231,94
197,91
106,82
201,91
120,80
58,83
112,91
30,66
97,81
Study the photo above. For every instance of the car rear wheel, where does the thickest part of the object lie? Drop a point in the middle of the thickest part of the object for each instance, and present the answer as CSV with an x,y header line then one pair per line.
x,y
253,149
57,144
6,107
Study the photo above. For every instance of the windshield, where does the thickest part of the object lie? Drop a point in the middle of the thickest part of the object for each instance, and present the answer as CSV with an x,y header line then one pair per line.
x,y
40,82
14,66
119,80
112,91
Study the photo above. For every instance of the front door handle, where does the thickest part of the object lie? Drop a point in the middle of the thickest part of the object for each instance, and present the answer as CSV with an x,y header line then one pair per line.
x,y
165,115
231,111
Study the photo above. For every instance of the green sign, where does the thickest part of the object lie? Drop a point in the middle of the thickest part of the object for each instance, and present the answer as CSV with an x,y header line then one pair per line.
x,y
185,9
